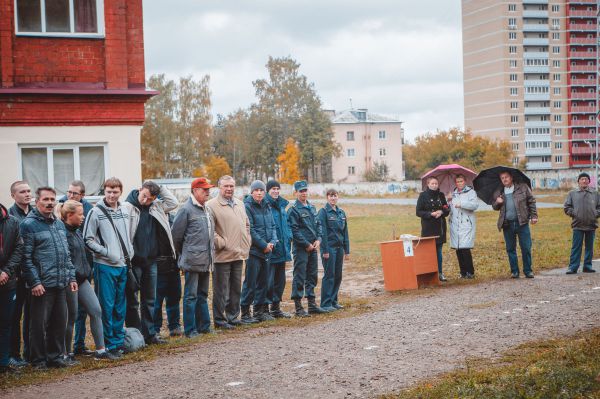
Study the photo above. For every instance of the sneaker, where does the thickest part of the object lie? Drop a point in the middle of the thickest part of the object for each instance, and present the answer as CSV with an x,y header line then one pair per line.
x,y
155,340
225,326
442,277
116,354
40,366
470,276
514,275
338,306
569,271
193,334
17,363
235,322
529,275
589,271
329,308
70,360
176,332
105,355
84,351
59,363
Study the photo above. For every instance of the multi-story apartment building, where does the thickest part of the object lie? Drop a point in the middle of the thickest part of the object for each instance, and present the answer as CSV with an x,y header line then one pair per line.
x,y
530,77
367,141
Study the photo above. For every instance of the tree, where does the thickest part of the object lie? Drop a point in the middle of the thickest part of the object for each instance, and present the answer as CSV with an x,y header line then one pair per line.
x,y
378,172
454,146
288,163
216,167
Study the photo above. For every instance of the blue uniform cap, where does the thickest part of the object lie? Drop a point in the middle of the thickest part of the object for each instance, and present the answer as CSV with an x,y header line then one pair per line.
x,y
300,185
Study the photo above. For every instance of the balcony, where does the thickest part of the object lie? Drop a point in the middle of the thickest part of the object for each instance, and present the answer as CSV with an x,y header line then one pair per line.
x,y
536,55
583,110
583,136
536,82
536,28
539,165
590,2
582,14
536,69
583,82
537,110
589,41
583,150
535,41
535,13
535,2
583,123
530,124
582,27
582,54
582,68
537,97
582,96
536,152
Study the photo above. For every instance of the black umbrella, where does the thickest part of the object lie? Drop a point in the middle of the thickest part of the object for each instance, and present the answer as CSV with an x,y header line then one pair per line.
x,y
488,181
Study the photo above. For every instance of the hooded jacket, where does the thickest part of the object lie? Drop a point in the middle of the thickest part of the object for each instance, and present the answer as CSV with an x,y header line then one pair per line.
x,y
46,252
262,226
282,251
11,248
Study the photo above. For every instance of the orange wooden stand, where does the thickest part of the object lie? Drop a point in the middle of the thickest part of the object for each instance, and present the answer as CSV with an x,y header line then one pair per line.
x,y
409,272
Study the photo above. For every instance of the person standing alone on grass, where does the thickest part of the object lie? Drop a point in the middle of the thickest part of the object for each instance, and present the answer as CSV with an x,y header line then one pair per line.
x,y
264,239
517,207
307,235
583,206
49,272
433,209
232,247
462,218
193,237
335,248
282,251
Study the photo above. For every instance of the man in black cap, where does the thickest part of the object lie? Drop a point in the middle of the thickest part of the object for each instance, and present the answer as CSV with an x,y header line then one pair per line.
x,y
583,206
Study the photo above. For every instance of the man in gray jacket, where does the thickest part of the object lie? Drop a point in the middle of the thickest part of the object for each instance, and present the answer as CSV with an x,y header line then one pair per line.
x,y
583,206
193,237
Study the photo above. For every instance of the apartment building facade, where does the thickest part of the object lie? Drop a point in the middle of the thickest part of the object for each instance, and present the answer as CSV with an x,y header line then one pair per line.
x,y
530,77
367,141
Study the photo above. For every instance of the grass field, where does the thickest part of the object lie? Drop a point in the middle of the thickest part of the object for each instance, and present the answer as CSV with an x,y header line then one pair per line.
x,y
559,368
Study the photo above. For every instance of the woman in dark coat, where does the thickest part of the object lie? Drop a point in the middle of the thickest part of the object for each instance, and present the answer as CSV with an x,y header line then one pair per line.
x,y
433,209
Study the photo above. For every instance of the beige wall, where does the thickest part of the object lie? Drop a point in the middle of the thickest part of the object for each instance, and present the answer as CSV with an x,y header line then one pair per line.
x,y
122,150
366,145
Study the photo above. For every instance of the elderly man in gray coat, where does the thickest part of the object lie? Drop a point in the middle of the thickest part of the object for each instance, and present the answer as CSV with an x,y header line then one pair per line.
x,y
583,206
193,236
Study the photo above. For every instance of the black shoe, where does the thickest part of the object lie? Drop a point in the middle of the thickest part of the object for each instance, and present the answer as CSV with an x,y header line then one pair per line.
x,y
235,322
106,355
529,275
514,275
247,316
261,313
224,326
569,271
176,332
58,364
338,306
17,362
589,271
193,334
277,313
40,366
442,277
9,370
70,360
300,312
313,308
470,276
155,340
116,354
83,351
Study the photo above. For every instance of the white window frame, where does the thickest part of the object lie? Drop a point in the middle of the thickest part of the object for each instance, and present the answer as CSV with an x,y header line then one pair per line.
x,y
50,157
73,34
379,135
348,152
351,171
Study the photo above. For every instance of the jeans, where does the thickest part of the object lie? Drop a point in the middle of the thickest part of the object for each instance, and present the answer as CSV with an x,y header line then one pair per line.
x,y
465,261
196,317
168,289
276,284
305,273
111,283
438,250
21,309
7,306
48,325
511,233
227,287
254,289
579,237
140,313
332,277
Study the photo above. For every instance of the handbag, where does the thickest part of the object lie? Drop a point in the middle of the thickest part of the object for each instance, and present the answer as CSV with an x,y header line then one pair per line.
x,y
133,283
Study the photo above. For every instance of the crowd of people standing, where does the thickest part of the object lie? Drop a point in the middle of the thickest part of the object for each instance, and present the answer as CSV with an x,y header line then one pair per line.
x,y
64,260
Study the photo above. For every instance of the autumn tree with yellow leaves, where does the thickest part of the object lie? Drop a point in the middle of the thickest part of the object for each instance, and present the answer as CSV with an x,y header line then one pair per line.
x,y
288,161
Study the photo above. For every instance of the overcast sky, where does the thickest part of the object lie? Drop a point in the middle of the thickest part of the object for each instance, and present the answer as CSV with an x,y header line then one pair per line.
x,y
394,57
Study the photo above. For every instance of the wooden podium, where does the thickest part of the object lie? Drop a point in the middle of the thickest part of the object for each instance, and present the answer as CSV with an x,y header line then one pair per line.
x,y
401,272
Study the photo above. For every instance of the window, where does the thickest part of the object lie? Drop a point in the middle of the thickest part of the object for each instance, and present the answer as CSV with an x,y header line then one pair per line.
x,y
555,8
558,132
555,22
512,22
515,161
512,7
382,152
514,118
558,145
513,77
556,63
514,105
515,146
514,91
513,63
512,49
556,77
80,18
558,158
557,118
546,158
555,49
349,136
351,170
57,166
555,36
514,132
557,90
512,35
351,153
557,104
382,135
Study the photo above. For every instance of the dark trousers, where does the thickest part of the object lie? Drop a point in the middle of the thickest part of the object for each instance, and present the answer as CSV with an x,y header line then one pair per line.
x,y
512,231
168,289
196,317
140,312
21,310
332,277
256,281
305,273
440,258
80,323
579,238
465,261
227,287
47,325
7,305
276,284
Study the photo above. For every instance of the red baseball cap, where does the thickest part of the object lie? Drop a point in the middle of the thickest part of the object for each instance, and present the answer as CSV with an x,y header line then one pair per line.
x,y
201,182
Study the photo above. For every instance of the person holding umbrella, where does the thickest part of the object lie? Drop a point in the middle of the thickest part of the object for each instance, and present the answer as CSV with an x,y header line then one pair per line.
x,y
433,209
516,203
463,204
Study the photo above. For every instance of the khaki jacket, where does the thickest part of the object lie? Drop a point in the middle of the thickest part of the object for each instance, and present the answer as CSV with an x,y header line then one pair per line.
x,y
232,230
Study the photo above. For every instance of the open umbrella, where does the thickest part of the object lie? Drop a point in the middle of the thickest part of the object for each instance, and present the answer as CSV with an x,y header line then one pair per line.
x,y
446,174
488,181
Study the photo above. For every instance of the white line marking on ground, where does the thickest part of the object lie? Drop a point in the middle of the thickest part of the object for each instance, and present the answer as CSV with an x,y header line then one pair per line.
x,y
370,347
235,383
301,365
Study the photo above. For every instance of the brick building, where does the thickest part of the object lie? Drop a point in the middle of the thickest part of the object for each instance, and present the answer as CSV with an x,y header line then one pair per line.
x,y
72,92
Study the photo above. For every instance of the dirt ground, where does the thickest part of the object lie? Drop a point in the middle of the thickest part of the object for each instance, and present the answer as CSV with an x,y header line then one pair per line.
x,y
411,338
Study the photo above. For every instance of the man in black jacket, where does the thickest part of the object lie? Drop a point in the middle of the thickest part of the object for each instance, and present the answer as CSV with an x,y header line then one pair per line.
x,y
11,251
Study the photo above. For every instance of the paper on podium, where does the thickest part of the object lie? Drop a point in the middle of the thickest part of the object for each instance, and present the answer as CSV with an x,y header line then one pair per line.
x,y
407,240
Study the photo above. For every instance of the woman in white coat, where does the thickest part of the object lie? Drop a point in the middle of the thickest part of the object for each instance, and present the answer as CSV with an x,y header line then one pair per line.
x,y
463,204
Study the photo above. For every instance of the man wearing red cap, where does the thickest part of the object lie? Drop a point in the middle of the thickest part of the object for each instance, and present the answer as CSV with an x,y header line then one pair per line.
x,y
193,236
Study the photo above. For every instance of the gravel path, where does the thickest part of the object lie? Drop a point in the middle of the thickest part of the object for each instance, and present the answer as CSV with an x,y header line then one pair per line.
x,y
414,337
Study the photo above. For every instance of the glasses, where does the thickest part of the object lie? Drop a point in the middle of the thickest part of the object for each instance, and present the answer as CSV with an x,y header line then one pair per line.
x,y
73,193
